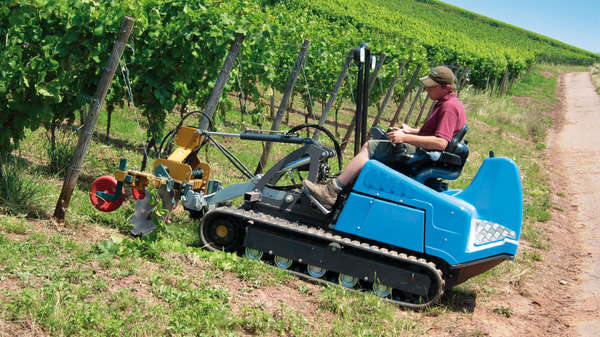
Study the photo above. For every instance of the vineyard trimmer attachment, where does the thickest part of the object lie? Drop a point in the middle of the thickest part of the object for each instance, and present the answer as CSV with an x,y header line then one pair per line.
x,y
178,176
182,177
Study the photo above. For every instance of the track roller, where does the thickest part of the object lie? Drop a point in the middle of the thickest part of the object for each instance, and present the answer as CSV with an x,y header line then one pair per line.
x,y
253,254
348,281
222,233
315,271
282,262
381,290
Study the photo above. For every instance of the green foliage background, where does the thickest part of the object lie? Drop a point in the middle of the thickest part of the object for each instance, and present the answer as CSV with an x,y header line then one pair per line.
x,y
53,51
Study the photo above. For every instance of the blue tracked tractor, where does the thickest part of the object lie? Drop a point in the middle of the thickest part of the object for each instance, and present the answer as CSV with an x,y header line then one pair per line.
x,y
398,231
389,231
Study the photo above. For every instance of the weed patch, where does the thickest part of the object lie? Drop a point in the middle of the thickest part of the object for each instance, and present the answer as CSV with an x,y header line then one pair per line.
x,y
59,153
502,310
13,224
19,194
147,246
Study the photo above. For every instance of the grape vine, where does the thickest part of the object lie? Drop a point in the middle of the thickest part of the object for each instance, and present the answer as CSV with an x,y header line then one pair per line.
x,y
53,51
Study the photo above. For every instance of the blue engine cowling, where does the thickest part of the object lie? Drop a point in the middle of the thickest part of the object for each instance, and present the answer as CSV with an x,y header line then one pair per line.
x,y
458,227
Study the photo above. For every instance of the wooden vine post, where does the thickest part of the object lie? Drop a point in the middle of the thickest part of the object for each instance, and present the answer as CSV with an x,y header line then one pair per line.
x,y
389,93
272,106
463,80
289,88
494,86
217,90
92,118
422,110
109,111
502,90
405,95
412,106
334,93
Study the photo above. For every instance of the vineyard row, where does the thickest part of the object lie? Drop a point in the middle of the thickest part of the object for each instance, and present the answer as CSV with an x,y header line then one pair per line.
x,y
54,52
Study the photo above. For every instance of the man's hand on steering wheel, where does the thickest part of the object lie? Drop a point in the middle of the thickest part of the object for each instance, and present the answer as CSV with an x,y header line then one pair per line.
x,y
397,136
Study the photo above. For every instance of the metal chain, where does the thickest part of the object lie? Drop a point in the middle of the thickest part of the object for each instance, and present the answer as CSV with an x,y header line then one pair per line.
x,y
239,80
310,101
125,74
347,79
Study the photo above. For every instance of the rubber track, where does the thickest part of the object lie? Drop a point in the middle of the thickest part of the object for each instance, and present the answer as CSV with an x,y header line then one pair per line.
x,y
252,216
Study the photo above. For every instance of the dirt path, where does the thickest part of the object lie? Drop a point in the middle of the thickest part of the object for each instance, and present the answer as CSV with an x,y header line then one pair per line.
x,y
577,150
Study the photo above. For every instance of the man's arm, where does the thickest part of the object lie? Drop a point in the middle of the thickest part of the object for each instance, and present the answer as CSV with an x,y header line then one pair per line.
x,y
409,130
426,142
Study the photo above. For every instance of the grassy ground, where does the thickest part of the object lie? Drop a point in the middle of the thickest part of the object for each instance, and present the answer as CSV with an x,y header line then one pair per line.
x,y
87,277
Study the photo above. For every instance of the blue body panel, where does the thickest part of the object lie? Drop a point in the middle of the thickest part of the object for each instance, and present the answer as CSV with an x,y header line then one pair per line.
x,y
389,207
369,218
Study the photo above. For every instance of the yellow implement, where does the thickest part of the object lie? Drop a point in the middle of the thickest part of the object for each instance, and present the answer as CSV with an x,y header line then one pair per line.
x,y
181,166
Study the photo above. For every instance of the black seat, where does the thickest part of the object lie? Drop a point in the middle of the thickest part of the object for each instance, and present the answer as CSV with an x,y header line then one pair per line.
x,y
432,168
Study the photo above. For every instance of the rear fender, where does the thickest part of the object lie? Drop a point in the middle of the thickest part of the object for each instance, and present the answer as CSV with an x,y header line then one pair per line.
x,y
497,196
491,223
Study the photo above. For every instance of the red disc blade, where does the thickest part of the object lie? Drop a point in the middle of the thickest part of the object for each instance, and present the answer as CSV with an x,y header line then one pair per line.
x,y
138,194
106,184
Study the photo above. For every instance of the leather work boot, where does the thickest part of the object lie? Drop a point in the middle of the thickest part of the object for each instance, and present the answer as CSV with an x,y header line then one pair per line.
x,y
326,194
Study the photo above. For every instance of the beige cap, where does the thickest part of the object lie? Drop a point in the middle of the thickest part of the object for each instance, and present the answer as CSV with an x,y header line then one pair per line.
x,y
439,75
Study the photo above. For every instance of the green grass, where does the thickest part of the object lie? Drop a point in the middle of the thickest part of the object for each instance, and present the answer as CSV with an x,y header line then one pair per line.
x,y
62,308
19,192
561,68
536,85
13,224
364,315
60,155
285,322
65,284
66,288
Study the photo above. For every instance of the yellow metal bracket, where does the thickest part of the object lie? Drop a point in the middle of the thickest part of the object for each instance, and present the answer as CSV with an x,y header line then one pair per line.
x,y
180,165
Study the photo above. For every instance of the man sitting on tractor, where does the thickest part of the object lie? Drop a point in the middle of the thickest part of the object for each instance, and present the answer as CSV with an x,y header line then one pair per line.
x,y
446,119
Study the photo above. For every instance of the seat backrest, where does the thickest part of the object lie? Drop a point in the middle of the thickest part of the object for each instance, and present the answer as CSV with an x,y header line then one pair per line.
x,y
457,139
448,166
455,155
429,167
462,150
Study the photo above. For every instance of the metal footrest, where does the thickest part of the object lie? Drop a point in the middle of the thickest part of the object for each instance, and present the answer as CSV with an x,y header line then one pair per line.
x,y
316,202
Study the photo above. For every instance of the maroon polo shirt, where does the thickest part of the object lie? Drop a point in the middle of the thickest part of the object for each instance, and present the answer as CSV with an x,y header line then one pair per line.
x,y
446,119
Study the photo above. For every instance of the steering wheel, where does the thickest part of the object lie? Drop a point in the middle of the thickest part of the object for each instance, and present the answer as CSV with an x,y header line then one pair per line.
x,y
336,144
